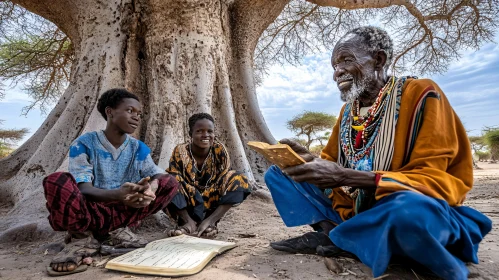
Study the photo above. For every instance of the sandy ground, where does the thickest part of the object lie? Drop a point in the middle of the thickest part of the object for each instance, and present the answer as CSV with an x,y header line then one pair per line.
x,y
254,259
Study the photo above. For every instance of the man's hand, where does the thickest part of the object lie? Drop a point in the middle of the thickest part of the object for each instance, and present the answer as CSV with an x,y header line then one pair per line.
x,y
322,173
299,149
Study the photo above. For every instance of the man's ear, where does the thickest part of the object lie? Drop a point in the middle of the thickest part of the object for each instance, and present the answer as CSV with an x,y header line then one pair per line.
x,y
380,57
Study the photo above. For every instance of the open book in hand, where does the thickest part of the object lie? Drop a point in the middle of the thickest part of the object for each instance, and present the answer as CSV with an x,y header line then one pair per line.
x,y
175,256
279,154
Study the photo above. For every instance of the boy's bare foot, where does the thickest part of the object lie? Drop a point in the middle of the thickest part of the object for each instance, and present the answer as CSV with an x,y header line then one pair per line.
x,y
63,267
70,266
210,232
189,228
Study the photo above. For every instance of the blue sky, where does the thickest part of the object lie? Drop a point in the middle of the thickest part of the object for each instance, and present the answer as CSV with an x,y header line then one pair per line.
x,y
471,84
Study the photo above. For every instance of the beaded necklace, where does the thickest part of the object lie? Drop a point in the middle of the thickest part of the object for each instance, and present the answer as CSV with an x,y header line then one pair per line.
x,y
377,153
364,125
363,129
194,162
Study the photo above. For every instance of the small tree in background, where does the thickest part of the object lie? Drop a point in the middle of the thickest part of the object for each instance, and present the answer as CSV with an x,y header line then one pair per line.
x,y
324,138
8,137
477,144
491,138
317,149
310,124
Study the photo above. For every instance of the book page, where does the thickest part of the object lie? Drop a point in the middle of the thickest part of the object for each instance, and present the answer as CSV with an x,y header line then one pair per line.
x,y
181,253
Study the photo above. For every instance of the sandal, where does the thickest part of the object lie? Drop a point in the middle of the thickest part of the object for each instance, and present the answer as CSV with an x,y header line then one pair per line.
x,y
125,238
74,252
107,250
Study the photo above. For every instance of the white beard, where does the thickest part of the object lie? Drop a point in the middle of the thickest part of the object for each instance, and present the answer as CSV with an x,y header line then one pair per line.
x,y
356,89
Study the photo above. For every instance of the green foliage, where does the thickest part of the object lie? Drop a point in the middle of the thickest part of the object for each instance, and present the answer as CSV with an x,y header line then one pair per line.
x,y
477,143
310,124
476,139
317,149
35,52
482,155
8,137
491,138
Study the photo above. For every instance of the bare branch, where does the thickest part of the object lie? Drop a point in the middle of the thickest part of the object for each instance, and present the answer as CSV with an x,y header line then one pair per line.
x,y
354,4
428,35
303,28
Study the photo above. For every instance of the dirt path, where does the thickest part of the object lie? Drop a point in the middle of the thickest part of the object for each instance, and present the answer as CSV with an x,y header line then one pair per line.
x,y
254,259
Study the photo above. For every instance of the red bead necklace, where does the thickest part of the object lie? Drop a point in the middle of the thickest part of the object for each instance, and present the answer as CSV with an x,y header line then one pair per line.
x,y
367,121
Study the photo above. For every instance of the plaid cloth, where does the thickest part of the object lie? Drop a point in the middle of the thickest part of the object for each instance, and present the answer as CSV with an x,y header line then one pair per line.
x,y
70,210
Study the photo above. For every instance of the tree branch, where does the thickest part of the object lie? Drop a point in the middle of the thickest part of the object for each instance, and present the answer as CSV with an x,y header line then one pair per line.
x,y
355,4
63,13
459,24
249,18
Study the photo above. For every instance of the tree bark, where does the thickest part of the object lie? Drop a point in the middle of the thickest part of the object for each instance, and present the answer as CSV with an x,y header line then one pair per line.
x,y
97,67
248,20
180,56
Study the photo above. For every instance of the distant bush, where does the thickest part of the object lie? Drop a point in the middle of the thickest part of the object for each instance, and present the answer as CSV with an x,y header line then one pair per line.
x,y
482,156
316,150
8,137
492,139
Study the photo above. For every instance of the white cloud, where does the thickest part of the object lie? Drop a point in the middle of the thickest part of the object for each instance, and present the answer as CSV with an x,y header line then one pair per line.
x,y
290,89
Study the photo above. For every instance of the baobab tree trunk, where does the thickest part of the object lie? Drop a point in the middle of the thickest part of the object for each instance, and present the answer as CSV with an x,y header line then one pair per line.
x,y
179,56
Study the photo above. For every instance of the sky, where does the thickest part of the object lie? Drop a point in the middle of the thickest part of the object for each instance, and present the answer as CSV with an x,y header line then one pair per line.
x,y
471,85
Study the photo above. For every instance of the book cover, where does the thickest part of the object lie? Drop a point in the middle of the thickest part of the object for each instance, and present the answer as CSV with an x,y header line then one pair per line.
x,y
279,154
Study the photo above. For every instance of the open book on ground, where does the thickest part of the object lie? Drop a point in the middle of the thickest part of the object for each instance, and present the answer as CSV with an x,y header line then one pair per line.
x,y
279,154
175,256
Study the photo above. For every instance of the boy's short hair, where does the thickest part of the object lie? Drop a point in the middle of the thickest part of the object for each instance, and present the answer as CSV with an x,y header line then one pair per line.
x,y
196,117
112,98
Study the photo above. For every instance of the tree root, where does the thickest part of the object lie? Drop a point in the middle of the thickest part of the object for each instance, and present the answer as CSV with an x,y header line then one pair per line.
x,y
31,231
262,194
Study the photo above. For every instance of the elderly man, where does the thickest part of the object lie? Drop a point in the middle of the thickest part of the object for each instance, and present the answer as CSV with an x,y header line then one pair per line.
x,y
393,176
